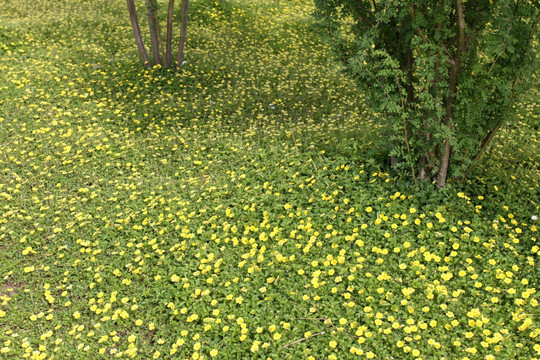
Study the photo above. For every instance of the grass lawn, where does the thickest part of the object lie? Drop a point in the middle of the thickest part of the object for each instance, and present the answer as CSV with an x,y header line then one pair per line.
x,y
240,208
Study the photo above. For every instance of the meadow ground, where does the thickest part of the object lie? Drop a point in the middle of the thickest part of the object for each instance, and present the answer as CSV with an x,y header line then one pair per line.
x,y
239,208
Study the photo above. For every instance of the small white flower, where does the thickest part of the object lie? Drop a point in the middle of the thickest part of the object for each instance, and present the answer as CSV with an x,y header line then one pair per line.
x,y
534,217
184,62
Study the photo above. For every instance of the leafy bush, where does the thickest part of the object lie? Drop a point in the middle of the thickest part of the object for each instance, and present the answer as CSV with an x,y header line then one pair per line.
x,y
442,75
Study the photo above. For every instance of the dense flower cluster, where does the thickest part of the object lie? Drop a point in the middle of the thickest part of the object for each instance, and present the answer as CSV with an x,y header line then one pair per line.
x,y
234,209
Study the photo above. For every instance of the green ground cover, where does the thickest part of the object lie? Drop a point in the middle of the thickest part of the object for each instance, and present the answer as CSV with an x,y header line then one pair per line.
x,y
239,208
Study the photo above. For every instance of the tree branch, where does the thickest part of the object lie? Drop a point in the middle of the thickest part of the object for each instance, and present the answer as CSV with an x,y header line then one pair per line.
x,y
491,134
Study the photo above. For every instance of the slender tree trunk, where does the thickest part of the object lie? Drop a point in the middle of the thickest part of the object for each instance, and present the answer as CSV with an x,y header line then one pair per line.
x,y
183,30
410,76
168,45
153,24
483,147
444,160
429,158
137,33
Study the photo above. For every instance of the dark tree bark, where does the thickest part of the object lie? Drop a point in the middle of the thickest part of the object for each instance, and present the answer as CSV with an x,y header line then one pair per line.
x,y
183,30
137,33
153,23
168,44
455,68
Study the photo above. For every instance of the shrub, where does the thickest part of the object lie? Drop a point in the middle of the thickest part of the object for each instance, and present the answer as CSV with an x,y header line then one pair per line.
x,y
441,75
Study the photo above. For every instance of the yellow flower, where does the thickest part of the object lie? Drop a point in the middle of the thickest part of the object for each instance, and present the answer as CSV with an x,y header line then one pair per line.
x,y
407,291
255,346
175,278
332,344
213,353
447,276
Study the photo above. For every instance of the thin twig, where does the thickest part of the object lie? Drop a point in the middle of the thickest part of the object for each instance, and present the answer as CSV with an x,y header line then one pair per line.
x,y
302,339
304,318
406,136
498,55
399,281
329,322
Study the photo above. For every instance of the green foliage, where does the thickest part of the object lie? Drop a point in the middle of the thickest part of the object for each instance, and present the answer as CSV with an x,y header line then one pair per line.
x,y
233,210
429,87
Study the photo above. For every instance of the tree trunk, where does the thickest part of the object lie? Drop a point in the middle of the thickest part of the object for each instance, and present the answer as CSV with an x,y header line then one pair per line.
x,y
153,24
444,160
183,30
168,45
137,32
